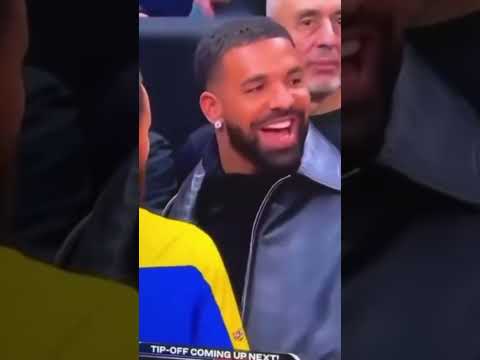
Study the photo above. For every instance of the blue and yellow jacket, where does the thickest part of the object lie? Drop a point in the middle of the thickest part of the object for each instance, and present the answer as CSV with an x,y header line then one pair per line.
x,y
185,294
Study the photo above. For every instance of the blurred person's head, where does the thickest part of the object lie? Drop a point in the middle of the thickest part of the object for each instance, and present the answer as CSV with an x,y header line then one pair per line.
x,y
315,26
13,46
371,58
145,120
209,7
255,95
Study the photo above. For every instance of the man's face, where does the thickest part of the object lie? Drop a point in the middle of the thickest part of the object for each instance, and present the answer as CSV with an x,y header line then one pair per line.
x,y
315,26
264,102
13,45
371,57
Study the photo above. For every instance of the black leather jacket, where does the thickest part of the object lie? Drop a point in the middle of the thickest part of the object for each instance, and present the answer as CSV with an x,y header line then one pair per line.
x,y
291,298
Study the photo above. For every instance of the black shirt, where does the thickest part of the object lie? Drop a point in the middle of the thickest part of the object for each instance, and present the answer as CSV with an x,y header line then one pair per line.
x,y
161,182
227,206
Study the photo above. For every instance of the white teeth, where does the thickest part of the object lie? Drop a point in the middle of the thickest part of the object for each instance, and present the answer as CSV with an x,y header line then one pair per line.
x,y
350,48
279,125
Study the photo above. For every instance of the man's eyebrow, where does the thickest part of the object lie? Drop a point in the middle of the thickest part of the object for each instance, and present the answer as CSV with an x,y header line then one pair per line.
x,y
295,70
307,13
254,79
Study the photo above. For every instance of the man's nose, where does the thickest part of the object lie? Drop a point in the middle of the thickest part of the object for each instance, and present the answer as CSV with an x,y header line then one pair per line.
x,y
326,36
281,98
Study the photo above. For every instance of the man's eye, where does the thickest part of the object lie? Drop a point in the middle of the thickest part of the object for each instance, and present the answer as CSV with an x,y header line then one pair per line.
x,y
255,89
307,22
339,20
296,81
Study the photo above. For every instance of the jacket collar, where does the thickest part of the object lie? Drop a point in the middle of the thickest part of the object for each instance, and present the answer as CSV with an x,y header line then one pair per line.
x,y
321,161
433,136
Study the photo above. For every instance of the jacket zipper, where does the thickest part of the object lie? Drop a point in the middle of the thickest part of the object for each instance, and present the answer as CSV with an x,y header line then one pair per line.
x,y
167,207
252,243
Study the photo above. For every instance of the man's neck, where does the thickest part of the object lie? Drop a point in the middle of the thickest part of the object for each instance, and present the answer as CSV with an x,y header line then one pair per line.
x,y
323,104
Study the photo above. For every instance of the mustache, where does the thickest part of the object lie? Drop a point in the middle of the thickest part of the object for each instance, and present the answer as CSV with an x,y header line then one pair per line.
x,y
274,115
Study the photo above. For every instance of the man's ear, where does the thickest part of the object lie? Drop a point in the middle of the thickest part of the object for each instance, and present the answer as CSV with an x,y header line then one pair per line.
x,y
211,107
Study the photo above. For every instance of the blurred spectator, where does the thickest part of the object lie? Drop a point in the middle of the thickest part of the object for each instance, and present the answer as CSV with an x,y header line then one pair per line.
x,y
51,158
76,155
82,209
410,192
42,304
105,242
110,228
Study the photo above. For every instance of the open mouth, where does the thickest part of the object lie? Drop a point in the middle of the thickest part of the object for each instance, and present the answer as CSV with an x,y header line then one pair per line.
x,y
280,133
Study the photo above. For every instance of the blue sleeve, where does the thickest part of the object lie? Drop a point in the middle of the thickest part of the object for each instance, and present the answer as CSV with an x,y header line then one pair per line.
x,y
177,307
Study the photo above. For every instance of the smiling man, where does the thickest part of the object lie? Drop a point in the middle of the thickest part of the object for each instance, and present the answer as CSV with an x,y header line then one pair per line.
x,y
315,28
265,187
260,112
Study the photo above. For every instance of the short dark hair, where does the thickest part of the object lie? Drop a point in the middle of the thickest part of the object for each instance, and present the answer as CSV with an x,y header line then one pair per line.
x,y
229,35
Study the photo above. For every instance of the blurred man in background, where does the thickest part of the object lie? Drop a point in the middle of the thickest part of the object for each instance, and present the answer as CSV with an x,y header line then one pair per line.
x,y
410,193
315,26
47,313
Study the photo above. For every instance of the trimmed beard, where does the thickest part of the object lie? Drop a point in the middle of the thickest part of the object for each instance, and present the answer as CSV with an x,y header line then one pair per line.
x,y
324,89
270,162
